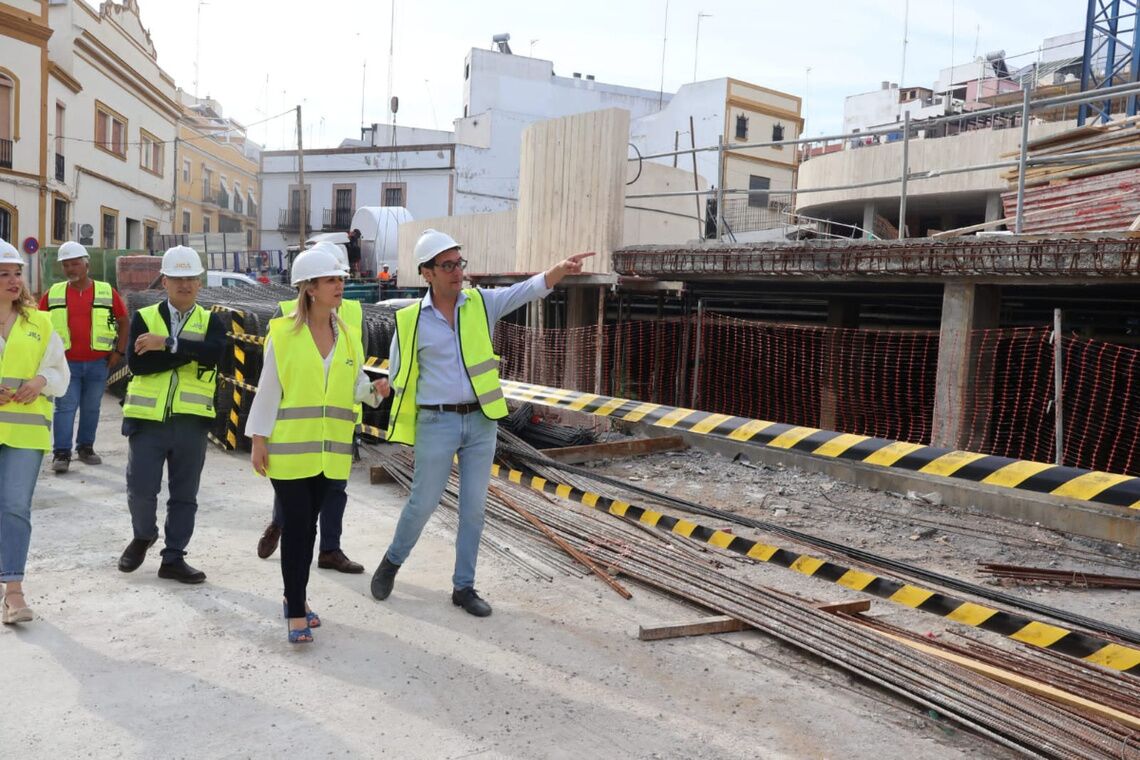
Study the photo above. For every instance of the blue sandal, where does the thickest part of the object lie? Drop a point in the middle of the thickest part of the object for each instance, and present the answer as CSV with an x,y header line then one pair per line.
x,y
301,635
312,618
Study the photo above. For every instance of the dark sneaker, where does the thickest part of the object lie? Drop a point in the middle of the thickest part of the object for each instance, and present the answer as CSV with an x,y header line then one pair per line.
x,y
87,455
336,560
60,462
135,553
384,578
179,571
267,544
469,599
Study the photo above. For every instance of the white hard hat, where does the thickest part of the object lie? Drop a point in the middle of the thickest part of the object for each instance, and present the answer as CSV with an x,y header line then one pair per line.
x,y
181,261
9,254
431,244
336,250
315,263
71,250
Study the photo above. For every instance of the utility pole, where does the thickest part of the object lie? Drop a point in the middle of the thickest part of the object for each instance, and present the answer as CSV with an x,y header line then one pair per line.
x,y
697,41
303,204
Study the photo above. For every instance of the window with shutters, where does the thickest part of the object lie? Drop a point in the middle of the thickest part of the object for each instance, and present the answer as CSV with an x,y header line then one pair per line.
x,y
110,131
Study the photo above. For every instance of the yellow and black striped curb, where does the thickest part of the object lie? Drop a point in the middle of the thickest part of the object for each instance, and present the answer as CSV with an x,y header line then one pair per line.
x,y
1038,477
1099,651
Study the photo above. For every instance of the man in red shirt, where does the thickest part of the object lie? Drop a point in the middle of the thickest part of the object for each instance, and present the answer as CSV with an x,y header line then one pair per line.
x,y
92,320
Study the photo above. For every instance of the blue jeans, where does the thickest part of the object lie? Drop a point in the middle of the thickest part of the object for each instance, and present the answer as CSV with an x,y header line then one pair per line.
x,y
18,471
439,437
85,393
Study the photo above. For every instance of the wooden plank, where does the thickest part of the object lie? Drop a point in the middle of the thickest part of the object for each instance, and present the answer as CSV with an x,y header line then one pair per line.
x,y
1021,682
728,624
616,449
701,627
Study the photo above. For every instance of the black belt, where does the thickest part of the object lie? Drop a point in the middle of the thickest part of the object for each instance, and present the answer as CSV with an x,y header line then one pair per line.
x,y
459,408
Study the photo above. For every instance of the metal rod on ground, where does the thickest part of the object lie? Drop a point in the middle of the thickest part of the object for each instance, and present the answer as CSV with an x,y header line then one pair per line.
x,y
1024,154
303,204
1058,381
579,556
905,170
719,187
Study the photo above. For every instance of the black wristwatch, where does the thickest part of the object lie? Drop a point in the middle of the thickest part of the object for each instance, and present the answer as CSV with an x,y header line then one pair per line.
x,y
169,343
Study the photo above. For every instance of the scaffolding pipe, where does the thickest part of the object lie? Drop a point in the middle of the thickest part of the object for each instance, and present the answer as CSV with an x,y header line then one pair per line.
x,y
905,173
719,187
1021,162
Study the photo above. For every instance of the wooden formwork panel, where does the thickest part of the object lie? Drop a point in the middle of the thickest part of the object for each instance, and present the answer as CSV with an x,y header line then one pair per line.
x,y
488,242
572,189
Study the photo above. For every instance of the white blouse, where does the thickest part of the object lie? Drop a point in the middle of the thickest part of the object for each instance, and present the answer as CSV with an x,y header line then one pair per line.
x,y
53,366
263,411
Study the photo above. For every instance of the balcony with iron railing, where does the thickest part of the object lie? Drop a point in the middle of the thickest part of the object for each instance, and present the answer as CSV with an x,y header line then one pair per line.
x,y
289,219
336,219
5,154
251,209
208,195
222,198
59,167
239,204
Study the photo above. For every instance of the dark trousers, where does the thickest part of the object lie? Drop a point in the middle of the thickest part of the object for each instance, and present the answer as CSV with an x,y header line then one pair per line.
x,y
180,444
301,503
332,514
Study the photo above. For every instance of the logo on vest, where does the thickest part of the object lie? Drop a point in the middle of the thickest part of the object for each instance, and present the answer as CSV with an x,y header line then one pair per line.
x,y
33,335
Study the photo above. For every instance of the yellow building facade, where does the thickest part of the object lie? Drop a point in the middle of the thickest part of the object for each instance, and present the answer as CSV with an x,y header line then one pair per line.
x,y
218,188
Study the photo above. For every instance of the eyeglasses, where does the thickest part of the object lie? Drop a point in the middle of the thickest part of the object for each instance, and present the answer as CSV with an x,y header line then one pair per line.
x,y
451,266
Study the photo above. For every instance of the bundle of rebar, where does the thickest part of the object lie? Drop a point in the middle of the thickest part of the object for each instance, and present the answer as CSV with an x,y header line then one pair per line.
x,y
1026,723
544,435
1073,578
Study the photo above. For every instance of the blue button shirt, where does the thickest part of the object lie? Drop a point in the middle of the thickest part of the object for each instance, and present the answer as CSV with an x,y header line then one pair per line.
x,y
443,378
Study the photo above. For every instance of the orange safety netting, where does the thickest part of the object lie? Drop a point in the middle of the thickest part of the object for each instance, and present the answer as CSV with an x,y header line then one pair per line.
x,y
869,382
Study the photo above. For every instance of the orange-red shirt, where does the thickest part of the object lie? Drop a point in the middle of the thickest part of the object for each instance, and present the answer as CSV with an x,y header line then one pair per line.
x,y
79,306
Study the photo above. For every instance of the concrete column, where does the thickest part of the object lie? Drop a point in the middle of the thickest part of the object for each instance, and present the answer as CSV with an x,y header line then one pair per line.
x,y
994,210
869,212
842,313
965,307
581,311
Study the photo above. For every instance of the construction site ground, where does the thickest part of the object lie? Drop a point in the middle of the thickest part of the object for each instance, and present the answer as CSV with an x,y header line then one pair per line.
x,y
134,666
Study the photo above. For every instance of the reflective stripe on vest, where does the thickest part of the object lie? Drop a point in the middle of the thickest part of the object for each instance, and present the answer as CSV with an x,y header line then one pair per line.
x,y
312,434
188,389
479,359
26,426
104,330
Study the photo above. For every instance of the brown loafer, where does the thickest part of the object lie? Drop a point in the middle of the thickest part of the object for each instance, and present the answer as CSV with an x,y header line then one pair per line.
x,y
87,455
267,544
335,560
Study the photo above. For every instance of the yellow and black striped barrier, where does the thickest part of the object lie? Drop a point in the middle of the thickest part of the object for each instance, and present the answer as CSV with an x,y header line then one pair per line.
x,y
238,333
1090,648
1037,477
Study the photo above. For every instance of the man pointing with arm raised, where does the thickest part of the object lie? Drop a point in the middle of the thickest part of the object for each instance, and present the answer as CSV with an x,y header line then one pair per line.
x,y
445,377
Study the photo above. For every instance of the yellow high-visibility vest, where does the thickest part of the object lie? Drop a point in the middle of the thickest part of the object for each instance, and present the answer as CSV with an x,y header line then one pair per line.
x,y
188,389
479,359
26,426
104,330
315,421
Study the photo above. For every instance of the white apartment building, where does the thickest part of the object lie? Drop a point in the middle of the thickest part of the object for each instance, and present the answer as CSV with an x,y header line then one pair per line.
x,y
112,117
419,176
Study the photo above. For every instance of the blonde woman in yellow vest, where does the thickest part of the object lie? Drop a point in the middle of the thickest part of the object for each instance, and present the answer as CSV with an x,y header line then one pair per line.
x,y
32,370
331,555
302,420
445,376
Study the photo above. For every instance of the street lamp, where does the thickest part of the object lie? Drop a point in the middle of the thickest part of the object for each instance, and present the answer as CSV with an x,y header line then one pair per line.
x,y
697,43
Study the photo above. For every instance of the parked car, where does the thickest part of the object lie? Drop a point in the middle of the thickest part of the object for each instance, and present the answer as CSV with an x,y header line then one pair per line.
x,y
229,279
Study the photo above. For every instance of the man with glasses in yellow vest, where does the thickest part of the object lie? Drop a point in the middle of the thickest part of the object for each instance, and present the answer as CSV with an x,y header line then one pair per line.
x,y
173,355
445,377
91,319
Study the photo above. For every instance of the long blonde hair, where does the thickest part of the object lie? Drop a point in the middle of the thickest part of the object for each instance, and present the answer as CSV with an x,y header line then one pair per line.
x,y
304,304
24,302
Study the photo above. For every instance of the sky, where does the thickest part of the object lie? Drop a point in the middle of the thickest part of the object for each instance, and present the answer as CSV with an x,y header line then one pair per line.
x,y
259,58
